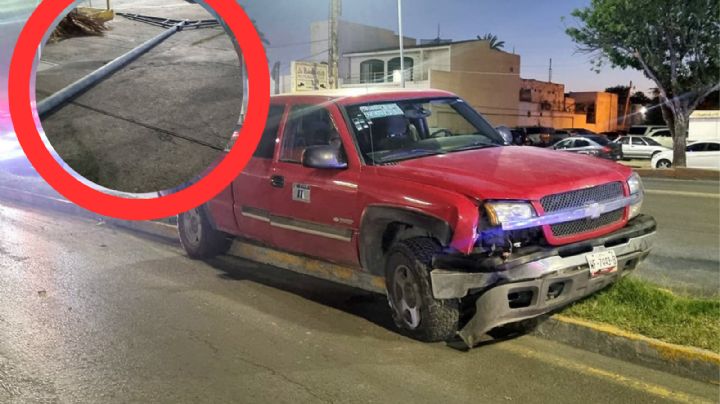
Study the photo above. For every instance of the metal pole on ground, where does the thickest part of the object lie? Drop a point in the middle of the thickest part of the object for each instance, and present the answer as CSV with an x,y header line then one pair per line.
x,y
55,101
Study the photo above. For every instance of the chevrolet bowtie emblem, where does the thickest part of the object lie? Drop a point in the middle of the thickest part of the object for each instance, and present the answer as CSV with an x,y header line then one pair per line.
x,y
593,211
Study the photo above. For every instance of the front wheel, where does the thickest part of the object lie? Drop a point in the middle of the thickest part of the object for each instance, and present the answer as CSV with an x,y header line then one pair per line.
x,y
414,308
664,163
198,237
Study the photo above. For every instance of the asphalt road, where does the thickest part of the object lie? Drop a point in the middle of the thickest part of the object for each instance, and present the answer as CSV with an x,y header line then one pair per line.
x,y
89,313
686,256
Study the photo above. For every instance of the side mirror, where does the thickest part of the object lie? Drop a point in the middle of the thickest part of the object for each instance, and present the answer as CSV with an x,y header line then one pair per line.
x,y
506,134
324,157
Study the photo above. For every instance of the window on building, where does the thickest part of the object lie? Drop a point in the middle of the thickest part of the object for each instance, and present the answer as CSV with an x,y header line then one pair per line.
x,y
525,94
372,71
590,114
394,65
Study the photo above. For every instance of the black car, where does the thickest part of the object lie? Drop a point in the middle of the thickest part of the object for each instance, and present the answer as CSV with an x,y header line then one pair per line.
x,y
540,136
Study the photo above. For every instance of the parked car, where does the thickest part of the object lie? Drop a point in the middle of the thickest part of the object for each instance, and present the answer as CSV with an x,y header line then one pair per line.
x,y
613,135
700,154
578,131
640,147
662,136
539,136
592,145
413,189
644,130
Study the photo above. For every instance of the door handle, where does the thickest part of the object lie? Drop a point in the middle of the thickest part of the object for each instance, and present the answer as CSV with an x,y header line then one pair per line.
x,y
277,181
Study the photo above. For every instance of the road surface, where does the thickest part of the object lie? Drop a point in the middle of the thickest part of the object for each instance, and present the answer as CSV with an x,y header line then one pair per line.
x,y
89,313
687,251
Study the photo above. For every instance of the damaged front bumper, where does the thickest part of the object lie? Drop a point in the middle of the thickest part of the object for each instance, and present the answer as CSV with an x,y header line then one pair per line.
x,y
539,281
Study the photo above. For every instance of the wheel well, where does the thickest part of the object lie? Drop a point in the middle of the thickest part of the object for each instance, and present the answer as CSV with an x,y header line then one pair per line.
x,y
383,226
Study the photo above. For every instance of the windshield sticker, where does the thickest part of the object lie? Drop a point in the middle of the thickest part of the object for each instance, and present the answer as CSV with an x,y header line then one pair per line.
x,y
381,110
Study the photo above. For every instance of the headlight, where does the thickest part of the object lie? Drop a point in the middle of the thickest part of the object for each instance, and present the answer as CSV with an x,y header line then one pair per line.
x,y
508,212
635,184
636,190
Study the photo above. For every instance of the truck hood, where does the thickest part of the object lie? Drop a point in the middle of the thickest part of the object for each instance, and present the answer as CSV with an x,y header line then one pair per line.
x,y
511,172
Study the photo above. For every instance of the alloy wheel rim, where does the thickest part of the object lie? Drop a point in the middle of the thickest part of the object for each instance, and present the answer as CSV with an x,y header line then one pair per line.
x,y
193,226
406,296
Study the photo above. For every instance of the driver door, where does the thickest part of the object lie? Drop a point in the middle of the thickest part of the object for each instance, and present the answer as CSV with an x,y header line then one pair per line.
x,y
314,210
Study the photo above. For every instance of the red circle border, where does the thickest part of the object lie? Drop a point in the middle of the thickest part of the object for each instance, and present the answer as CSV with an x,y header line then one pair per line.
x,y
25,124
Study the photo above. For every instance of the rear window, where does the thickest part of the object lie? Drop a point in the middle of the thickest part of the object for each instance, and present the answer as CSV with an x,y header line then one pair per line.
x,y
637,130
601,140
652,142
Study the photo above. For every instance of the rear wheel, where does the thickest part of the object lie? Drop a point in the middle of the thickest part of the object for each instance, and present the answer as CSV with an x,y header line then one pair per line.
x,y
198,237
414,308
664,163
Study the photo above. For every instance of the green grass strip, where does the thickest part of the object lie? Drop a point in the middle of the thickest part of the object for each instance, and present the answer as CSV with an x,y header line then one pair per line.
x,y
641,307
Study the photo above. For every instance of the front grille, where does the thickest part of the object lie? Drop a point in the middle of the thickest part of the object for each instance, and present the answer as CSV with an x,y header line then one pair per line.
x,y
582,197
587,224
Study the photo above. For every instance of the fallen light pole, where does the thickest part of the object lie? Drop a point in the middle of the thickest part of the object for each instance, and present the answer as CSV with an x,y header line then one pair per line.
x,y
52,103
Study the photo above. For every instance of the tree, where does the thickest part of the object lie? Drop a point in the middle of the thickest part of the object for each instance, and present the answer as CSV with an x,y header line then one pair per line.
x,y
675,43
494,42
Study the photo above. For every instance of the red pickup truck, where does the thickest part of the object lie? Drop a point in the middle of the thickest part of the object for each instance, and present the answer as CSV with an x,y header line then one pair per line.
x,y
416,187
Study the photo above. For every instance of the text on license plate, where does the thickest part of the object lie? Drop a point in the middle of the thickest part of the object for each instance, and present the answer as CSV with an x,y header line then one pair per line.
x,y
602,263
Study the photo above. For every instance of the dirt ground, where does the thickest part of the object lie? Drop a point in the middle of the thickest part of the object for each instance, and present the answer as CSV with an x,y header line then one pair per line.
x,y
158,122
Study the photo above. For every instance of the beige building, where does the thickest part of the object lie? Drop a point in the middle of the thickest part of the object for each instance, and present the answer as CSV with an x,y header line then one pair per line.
x,y
487,79
546,104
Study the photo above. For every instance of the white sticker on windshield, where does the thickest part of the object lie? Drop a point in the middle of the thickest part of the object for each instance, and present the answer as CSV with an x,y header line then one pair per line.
x,y
381,110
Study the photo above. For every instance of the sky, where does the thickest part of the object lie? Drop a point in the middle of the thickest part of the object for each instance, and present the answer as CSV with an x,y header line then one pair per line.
x,y
533,28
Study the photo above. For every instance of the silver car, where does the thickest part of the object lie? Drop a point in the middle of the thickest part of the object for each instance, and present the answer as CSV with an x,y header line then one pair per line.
x,y
640,147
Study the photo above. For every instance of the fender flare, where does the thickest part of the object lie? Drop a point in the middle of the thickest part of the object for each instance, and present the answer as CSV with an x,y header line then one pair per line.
x,y
375,220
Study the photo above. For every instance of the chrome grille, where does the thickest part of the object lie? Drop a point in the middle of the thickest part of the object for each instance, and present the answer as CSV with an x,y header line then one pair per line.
x,y
582,197
586,225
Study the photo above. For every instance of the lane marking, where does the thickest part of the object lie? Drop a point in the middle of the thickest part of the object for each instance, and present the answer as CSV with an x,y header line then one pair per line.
x,y
636,384
682,193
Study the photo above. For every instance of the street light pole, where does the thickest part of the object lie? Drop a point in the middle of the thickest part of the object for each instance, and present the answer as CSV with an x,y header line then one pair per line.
x,y
402,45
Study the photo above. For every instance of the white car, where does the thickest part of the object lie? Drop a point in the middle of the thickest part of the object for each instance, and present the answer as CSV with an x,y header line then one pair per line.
x,y
700,154
662,136
640,147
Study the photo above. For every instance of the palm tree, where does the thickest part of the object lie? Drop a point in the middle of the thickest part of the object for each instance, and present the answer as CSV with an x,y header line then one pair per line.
x,y
493,39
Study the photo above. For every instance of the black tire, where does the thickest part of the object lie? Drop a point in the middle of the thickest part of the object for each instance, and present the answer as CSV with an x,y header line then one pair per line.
x,y
198,237
415,311
664,163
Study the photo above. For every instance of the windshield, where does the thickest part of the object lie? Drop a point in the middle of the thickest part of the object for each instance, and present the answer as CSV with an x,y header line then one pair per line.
x,y
637,130
401,130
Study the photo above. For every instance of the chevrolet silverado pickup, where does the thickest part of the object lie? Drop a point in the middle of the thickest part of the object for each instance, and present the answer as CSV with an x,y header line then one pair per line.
x,y
416,189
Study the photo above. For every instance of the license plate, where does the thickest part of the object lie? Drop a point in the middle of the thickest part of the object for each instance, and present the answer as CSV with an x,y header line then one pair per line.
x,y
602,263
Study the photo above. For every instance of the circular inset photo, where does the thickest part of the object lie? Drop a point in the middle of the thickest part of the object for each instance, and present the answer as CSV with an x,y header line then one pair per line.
x,y
142,97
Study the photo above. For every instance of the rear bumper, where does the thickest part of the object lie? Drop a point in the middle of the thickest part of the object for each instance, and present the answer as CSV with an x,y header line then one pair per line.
x,y
542,281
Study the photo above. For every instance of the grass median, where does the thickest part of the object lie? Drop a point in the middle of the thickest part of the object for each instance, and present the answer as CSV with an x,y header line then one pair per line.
x,y
641,307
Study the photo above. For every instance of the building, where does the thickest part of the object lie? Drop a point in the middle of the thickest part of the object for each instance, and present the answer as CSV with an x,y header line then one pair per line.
x,y
352,37
546,104
486,78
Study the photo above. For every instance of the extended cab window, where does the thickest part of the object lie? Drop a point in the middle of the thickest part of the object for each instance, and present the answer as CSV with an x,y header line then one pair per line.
x,y
406,129
307,126
266,147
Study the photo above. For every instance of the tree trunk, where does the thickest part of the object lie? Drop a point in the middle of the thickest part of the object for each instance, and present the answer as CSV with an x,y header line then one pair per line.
x,y
681,123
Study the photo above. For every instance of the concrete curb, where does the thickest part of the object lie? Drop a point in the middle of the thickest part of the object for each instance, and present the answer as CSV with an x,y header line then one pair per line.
x,y
607,340
611,341
680,173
